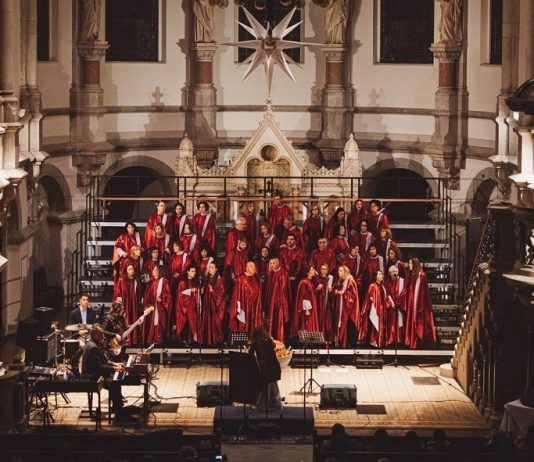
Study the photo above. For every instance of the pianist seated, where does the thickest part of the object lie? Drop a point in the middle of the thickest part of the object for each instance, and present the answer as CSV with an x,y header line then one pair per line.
x,y
94,365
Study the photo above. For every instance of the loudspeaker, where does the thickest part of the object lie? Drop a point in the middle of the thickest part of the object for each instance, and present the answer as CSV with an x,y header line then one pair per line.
x,y
45,316
27,332
338,396
369,362
209,393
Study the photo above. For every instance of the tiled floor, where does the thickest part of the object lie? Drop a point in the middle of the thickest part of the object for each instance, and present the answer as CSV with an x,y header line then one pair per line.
x,y
420,407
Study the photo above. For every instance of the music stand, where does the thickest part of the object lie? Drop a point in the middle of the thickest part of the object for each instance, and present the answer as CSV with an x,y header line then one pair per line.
x,y
240,339
311,339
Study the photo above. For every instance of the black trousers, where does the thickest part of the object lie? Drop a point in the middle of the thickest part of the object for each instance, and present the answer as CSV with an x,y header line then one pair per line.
x,y
115,394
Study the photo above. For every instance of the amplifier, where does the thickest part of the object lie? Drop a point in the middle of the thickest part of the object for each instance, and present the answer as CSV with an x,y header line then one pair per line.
x,y
209,393
369,362
45,316
338,396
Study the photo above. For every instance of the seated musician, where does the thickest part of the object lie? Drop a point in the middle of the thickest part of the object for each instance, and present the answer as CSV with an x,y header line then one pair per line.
x,y
83,313
96,365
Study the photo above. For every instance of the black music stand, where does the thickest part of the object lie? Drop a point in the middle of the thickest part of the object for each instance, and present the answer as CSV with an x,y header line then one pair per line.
x,y
311,339
240,339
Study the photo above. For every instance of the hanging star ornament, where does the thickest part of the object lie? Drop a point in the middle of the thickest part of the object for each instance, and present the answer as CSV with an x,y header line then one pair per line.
x,y
269,46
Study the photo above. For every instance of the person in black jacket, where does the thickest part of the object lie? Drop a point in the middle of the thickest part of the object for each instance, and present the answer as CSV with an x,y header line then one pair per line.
x,y
96,365
83,313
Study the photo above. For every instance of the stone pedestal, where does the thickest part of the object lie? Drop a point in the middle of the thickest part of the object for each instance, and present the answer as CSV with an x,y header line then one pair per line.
x,y
446,145
202,103
336,104
88,138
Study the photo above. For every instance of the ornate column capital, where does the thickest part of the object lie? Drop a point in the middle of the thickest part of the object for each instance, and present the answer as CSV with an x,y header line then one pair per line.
x,y
87,164
203,52
446,53
335,53
92,51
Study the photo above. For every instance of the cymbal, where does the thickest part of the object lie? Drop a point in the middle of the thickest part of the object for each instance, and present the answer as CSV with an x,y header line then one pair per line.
x,y
78,327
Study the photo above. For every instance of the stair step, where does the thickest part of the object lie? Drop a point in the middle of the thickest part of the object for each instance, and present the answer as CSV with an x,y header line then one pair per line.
x,y
423,245
115,224
417,226
96,282
97,263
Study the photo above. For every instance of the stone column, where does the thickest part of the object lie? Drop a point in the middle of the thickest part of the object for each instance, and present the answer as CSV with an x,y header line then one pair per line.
x,y
87,135
202,103
336,103
445,147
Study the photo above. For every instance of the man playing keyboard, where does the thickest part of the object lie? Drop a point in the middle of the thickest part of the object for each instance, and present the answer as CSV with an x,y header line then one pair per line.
x,y
95,365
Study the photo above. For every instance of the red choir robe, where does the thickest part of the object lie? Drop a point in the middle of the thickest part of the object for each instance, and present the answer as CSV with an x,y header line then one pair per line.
x,y
148,266
213,305
276,216
205,228
331,226
313,229
355,218
371,265
277,297
235,264
232,237
374,315
160,243
121,249
364,240
178,223
397,291
252,229
155,325
320,257
137,264
419,322
340,247
203,265
191,244
292,260
377,223
347,309
165,219
245,305
305,300
187,307
128,292
356,265
383,247
270,241
325,306
299,239
262,267
177,265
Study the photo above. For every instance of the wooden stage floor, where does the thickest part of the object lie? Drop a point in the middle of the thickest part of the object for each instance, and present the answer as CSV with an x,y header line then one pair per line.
x,y
407,405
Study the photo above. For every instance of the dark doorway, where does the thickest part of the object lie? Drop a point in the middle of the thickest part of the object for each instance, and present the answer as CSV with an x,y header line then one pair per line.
x,y
401,183
485,192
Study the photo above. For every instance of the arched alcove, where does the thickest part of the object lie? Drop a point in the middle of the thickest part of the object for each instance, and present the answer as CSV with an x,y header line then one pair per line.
x,y
485,193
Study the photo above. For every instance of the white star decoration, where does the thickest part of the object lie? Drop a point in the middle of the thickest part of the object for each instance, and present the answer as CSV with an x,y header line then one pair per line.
x,y
269,46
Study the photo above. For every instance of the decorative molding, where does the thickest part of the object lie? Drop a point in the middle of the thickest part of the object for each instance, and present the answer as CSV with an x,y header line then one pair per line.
x,y
92,51
446,53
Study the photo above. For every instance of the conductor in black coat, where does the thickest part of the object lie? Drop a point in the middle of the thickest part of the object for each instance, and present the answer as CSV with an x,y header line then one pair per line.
x,y
96,365
83,313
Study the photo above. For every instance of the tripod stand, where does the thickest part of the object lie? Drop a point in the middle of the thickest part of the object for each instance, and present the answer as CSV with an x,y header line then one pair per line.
x,y
310,339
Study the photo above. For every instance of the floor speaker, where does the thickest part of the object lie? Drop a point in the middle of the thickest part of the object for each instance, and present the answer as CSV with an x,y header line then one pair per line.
x,y
209,393
45,316
338,396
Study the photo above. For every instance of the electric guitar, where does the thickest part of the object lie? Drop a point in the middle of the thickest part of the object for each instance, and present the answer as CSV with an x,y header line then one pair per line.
x,y
115,344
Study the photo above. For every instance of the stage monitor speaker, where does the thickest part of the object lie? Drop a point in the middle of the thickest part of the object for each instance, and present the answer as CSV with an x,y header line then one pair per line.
x,y
369,362
27,332
209,393
45,316
338,396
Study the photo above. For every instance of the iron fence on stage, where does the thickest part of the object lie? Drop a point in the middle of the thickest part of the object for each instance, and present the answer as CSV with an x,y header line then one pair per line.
x,y
121,198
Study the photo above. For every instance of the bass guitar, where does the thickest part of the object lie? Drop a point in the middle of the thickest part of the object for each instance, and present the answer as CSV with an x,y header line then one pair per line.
x,y
115,344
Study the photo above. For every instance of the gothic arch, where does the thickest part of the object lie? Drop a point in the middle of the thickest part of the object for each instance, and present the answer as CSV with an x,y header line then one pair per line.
x,y
395,163
480,190
55,173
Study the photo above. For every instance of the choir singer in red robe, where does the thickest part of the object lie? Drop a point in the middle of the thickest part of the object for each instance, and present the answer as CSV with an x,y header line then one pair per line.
x,y
204,222
292,258
179,219
266,239
419,324
347,307
323,255
123,244
127,291
158,295
314,227
237,232
305,315
377,219
213,304
245,306
160,240
324,299
277,295
187,307
374,312
235,263
291,228
278,211
159,217
396,287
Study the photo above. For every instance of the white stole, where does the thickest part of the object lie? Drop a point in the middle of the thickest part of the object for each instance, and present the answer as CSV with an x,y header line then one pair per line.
x,y
205,227
158,295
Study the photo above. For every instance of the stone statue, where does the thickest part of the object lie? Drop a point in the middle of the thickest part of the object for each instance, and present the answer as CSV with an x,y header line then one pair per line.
x,y
91,15
204,24
336,21
451,23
